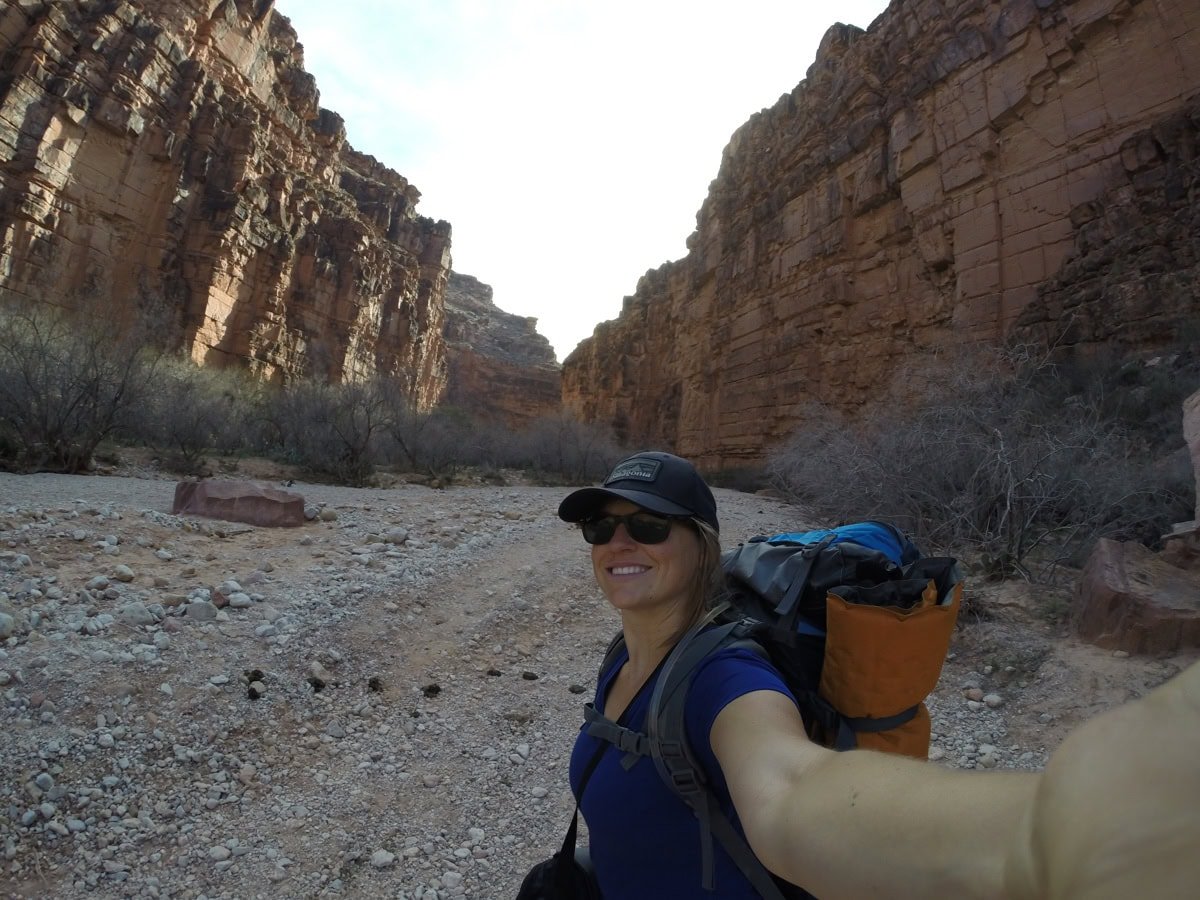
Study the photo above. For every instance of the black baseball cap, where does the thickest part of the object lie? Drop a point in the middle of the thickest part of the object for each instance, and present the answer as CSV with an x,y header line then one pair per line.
x,y
660,482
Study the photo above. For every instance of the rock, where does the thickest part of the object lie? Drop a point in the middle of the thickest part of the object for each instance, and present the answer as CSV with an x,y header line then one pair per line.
x,y
1130,599
201,610
862,218
381,859
135,613
261,167
498,366
239,501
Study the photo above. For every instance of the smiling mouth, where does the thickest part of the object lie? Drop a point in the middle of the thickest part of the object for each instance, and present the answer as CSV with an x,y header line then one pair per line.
x,y
628,570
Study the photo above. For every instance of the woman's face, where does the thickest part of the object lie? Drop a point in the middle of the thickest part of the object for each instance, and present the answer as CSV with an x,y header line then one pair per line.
x,y
640,577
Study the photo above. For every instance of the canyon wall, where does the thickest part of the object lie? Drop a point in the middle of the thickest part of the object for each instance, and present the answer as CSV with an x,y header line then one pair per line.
x,y
498,367
167,161
950,177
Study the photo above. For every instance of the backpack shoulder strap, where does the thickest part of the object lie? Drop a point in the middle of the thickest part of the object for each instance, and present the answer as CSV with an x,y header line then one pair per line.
x,y
677,765
666,744
615,648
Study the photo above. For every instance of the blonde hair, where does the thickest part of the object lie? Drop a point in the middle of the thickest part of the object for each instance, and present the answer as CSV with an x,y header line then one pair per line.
x,y
708,581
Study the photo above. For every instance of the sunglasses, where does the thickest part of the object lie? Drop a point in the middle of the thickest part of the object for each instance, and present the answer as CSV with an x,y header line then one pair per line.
x,y
643,527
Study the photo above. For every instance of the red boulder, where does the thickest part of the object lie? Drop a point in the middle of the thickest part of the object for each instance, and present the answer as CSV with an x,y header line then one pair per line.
x,y
1132,599
239,501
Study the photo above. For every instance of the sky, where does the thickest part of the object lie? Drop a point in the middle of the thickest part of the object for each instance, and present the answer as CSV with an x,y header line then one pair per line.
x,y
569,143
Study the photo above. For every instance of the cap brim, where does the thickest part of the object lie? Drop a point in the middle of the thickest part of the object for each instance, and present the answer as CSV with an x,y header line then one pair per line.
x,y
586,501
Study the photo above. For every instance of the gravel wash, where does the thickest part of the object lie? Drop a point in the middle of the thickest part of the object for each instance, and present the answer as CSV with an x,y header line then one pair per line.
x,y
380,703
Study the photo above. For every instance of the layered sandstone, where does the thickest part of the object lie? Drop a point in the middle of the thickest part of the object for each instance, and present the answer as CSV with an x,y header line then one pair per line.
x,y
1131,280
498,367
909,198
168,161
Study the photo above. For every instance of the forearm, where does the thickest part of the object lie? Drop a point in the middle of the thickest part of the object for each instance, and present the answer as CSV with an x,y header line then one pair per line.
x,y
866,824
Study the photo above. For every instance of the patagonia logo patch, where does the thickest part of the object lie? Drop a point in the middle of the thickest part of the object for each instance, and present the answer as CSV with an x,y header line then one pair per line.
x,y
636,469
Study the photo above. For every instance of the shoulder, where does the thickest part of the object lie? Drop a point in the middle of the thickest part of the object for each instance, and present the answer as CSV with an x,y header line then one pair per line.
x,y
736,666
726,675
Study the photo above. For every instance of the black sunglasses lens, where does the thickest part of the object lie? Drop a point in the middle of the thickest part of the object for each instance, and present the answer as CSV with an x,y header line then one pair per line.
x,y
644,528
599,531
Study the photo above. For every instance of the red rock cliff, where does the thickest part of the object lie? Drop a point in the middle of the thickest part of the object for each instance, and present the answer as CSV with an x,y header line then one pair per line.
x,y
909,197
498,366
169,158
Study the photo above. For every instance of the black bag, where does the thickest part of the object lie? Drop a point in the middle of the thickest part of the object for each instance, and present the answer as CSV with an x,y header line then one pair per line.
x,y
568,874
561,878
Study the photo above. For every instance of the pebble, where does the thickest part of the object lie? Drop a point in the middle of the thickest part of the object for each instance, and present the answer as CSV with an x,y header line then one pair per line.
x,y
381,859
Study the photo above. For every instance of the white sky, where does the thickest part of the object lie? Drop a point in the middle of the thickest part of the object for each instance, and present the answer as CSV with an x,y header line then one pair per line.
x,y
569,143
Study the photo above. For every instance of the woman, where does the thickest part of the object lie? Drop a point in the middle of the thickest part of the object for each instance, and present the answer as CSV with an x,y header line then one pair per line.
x,y
1116,813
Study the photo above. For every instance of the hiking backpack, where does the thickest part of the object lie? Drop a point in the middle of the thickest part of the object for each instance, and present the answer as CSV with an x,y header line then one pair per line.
x,y
856,621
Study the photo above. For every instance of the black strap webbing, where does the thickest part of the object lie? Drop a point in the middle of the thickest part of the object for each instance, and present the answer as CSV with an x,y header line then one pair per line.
x,y
667,731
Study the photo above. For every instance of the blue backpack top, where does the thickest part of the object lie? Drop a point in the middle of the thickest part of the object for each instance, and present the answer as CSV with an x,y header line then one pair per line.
x,y
881,536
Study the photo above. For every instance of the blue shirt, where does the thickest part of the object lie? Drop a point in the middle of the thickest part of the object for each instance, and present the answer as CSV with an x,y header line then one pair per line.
x,y
644,840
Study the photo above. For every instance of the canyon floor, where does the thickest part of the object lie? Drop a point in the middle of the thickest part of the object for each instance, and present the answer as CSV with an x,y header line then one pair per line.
x,y
386,705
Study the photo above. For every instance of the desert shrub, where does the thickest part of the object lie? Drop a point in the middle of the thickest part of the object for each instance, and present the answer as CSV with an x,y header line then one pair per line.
x,y
1144,396
565,449
195,411
330,430
439,442
66,384
1003,457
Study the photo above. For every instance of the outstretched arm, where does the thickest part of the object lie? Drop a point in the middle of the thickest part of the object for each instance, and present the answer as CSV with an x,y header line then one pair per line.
x,y
863,824
1115,814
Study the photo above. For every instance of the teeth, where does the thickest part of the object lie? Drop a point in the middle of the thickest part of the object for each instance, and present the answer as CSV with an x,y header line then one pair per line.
x,y
628,570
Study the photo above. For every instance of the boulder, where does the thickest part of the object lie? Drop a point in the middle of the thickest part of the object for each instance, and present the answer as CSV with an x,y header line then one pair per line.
x,y
1131,599
239,501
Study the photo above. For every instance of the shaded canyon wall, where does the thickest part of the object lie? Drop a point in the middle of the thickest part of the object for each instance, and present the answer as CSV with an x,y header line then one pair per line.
x,y
498,367
960,171
168,161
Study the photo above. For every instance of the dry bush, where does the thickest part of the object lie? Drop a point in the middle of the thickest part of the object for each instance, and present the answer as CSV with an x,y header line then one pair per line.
x,y
999,458
565,449
195,411
66,384
330,430
437,443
